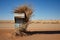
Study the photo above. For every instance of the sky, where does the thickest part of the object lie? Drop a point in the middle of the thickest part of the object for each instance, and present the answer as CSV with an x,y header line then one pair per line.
x,y
42,9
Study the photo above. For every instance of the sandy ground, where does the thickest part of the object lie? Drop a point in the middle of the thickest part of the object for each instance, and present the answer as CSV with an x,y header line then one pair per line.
x,y
7,34
34,26
43,27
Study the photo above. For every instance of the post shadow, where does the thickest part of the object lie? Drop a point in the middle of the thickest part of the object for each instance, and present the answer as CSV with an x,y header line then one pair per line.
x,y
42,32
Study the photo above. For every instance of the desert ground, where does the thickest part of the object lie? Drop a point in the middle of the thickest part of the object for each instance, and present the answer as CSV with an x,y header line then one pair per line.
x,y
41,30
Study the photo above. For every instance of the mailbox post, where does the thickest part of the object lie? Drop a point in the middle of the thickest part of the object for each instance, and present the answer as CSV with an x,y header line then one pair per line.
x,y
21,17
19,22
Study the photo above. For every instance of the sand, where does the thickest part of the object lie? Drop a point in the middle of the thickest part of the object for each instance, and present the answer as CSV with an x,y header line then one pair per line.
x,y
42,31
6,34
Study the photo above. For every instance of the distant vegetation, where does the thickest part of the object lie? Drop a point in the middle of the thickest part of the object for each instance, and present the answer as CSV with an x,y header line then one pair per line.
x,y
41,22
46,22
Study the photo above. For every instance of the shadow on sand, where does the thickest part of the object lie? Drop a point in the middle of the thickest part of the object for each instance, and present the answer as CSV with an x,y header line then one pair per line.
x,y
42,32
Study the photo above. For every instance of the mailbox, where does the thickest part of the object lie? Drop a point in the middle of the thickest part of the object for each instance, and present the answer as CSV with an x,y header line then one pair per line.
x,y
19,19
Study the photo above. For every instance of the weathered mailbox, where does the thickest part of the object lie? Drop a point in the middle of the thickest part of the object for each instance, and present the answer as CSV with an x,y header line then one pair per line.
x,y
21,16
19,22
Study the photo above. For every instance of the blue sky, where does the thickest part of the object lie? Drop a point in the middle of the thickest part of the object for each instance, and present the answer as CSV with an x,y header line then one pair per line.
x,y
42,9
